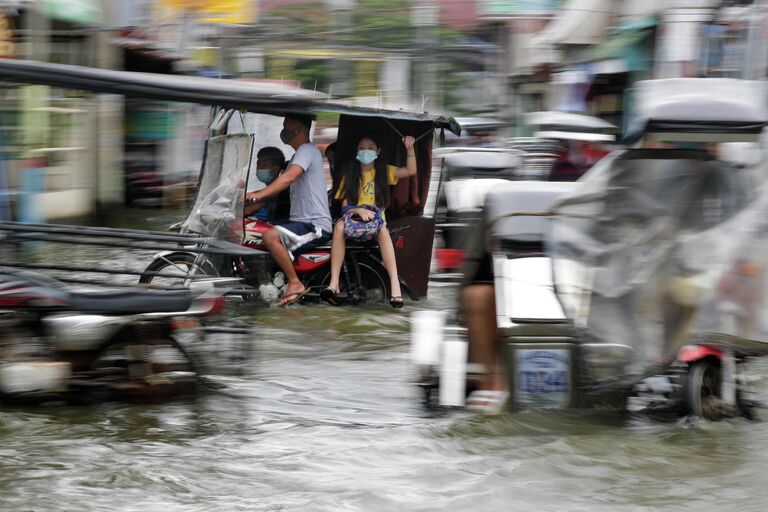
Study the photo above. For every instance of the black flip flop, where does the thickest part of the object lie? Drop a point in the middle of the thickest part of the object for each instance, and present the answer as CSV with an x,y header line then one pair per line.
x,y
396,302
329,295
295,297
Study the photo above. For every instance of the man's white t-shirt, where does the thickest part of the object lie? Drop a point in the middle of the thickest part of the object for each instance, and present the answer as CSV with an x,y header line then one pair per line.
x,y
309,197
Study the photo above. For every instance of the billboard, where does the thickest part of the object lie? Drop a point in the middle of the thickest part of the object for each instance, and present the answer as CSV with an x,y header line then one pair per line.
x,y
227,12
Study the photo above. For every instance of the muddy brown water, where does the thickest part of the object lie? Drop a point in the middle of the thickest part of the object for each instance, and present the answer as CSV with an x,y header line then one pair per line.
x,y
325,418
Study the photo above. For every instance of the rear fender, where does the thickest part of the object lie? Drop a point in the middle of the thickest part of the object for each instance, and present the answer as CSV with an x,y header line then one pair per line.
x,y
165,254
692,353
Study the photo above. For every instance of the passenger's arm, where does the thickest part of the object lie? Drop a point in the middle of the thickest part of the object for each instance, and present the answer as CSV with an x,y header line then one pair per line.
x,y
410,167
281,183
366,215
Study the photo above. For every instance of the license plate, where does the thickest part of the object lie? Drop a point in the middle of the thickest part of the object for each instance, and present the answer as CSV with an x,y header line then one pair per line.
x,y
542,378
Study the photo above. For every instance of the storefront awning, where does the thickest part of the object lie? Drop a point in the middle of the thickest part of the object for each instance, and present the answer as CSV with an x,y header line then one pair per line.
x,y
81,12
623,51
578,22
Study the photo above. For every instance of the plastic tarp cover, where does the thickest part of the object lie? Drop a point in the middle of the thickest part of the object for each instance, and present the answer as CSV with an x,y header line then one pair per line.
x,y
659,248
218,208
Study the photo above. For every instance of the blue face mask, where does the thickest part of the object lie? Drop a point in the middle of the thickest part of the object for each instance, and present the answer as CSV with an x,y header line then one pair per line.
x,y
264,175
366,156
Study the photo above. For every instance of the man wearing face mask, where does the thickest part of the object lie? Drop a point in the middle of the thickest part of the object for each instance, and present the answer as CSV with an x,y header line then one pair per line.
x,y
309,223
270,161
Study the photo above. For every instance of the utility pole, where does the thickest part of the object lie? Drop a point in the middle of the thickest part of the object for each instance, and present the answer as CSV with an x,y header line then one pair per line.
x,y
424,18
341,16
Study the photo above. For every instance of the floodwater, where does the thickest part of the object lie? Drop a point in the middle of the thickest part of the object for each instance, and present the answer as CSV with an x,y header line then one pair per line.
x,y
325,418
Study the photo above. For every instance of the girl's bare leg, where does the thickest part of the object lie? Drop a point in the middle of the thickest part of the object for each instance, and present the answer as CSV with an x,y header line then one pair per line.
x,y
388,255
338,248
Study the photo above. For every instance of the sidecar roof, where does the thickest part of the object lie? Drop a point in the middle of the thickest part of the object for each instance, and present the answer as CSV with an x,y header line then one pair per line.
x,y
699,109
555,124
523,198
268,98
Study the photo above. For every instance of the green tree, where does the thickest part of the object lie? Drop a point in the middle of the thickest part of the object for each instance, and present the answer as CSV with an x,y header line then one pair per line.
x,y
374,23
381,23
309,20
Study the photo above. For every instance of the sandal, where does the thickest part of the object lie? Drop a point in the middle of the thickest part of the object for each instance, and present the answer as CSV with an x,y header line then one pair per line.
x,y
396,302
487,401
329,295
295,297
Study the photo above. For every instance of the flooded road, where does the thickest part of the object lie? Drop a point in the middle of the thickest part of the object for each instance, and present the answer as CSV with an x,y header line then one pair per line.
x,y
326,419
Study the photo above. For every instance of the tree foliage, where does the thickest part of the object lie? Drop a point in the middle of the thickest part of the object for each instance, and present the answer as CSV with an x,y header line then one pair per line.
x,y
373,23
384,23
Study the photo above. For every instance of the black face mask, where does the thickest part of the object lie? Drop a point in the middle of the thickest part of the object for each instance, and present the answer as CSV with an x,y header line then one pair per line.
x,y
287,135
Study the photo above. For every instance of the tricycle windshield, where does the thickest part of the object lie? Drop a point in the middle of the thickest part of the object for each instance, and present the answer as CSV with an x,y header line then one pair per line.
x,y
640,248
218,208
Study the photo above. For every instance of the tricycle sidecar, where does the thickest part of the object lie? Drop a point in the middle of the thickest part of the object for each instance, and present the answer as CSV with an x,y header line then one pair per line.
x,y
548,360
648,251
655,258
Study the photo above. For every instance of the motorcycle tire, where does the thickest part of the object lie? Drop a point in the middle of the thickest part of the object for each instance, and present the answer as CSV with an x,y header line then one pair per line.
x,y
374,288
146,370
182,263
701,387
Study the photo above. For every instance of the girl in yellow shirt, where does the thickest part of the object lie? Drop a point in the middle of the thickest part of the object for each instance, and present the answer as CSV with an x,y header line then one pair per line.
x,y
366,182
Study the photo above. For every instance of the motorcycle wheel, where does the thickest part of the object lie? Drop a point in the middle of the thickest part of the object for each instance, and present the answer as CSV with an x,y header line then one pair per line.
x,y
702,389
374,287
149,370
178,263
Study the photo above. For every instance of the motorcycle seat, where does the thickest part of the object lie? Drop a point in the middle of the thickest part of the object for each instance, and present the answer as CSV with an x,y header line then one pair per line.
x,y
131,302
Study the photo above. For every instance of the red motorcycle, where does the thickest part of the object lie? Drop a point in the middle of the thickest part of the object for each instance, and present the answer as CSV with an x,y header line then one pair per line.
x,y
218,213
363,277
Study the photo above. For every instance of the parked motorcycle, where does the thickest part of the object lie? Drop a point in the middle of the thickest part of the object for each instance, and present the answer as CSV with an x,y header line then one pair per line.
x,y
135,345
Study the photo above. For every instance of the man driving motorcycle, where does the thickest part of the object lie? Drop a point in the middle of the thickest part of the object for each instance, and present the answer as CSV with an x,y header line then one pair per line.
x,y
309,223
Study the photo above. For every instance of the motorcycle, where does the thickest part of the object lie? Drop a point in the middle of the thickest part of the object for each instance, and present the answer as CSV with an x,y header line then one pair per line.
x,y
218,213
646,285
132,345
240,110
363,278
661,249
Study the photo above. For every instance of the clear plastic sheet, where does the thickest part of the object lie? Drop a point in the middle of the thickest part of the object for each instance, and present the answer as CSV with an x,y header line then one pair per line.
x,y
218,208
659,248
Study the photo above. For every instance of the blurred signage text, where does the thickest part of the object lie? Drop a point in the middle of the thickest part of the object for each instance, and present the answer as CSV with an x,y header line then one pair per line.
x,y
7,46
228,12
493,8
